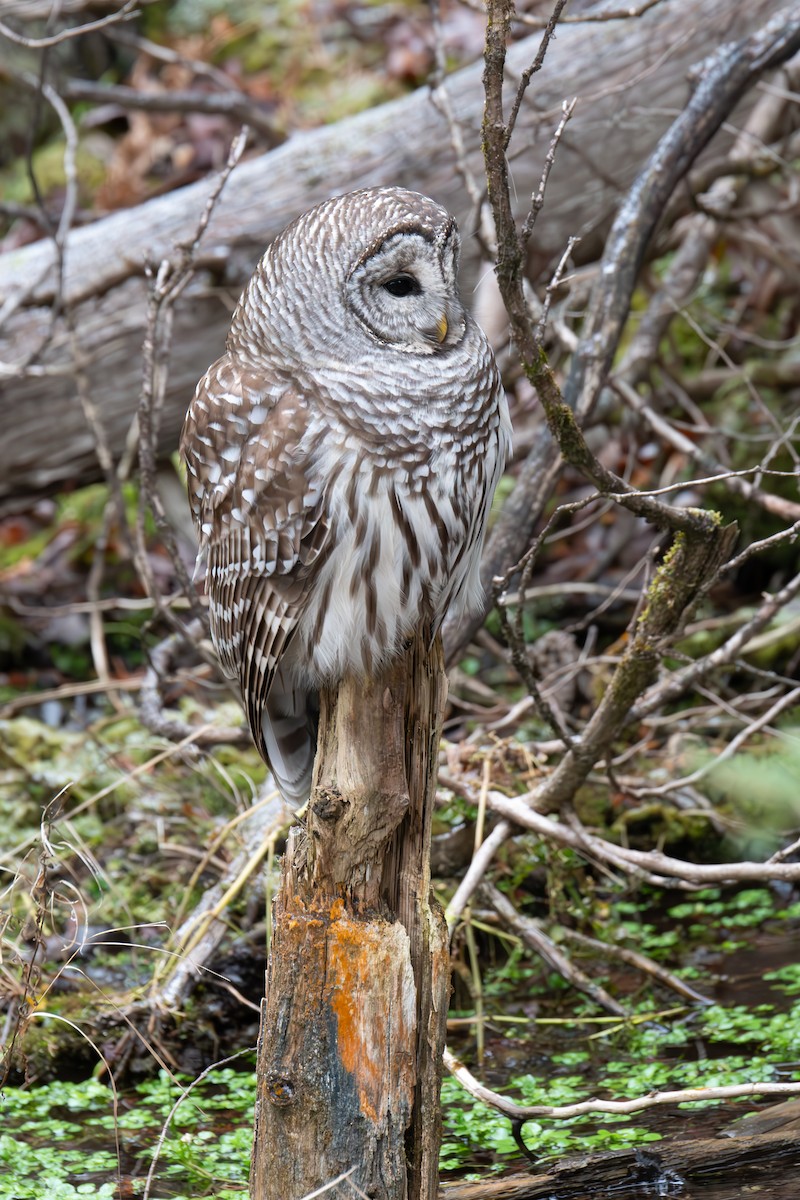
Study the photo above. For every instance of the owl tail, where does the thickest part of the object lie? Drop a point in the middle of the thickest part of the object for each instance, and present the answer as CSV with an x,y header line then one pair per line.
x,y
289,725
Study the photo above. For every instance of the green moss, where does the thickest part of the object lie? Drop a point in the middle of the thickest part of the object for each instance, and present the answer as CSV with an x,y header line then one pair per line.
x,y
48,166
760,784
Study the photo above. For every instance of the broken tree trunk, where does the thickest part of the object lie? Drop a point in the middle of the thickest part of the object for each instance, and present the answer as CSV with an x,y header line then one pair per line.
x,y
353,1024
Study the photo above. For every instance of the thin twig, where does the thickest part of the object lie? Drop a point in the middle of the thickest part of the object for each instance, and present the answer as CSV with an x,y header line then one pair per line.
x,y
550,290
237,106
527,1112
67,691
166,54
481,861
169,281
735,744
168,1121
441,99
532,21
726,78
634,959
537,200
151,706
126,13
537,64
680,681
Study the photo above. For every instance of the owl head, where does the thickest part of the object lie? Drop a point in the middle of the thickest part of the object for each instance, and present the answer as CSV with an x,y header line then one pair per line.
x,y
375,267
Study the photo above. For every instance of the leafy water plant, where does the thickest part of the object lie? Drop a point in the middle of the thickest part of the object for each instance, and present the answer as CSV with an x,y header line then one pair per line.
x,y
681,1047
67,1140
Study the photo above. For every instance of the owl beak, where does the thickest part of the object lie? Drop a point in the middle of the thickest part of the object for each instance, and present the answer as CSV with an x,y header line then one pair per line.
x,y
441,328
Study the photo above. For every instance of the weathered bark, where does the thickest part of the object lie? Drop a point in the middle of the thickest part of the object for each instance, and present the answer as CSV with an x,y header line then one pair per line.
x,y
353,1026
628,76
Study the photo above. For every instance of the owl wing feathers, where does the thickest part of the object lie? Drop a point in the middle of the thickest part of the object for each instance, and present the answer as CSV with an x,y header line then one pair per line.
x,y
262,523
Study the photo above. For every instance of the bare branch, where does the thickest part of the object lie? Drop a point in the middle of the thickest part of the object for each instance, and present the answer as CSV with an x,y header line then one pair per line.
x,y
676,871
536,65
726,76
527,1112
67,691
537,200
680,681
680,580
532,21
151,706
170,280
167,54
725,79
126,13
727,752
634,959
233,104
441,99
481,861
784,535
551,288
534,936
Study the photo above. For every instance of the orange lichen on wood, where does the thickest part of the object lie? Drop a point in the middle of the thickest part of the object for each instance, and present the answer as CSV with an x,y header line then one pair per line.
x,y
373,995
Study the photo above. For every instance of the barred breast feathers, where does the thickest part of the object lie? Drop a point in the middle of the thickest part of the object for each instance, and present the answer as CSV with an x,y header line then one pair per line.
x,y
317,538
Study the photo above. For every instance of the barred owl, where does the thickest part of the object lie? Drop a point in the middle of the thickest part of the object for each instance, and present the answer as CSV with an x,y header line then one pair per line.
x,y
342,456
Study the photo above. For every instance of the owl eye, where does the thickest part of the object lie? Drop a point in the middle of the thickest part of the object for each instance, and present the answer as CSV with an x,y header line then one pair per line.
x,y
402,285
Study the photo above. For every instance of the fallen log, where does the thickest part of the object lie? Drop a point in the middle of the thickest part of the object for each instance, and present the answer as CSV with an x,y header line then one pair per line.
x,y
618,1173
629,76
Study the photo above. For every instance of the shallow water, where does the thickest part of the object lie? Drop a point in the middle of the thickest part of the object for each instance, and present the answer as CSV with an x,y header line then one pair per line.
x,y
694,1150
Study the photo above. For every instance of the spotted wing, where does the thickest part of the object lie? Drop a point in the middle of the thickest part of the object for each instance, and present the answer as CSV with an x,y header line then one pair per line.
x,y
248,449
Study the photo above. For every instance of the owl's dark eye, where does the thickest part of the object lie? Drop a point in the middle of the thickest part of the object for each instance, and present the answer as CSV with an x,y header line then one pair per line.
x,y
402,285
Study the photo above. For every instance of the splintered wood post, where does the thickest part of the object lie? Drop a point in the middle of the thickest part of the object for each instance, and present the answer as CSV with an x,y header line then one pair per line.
x,y
353,1024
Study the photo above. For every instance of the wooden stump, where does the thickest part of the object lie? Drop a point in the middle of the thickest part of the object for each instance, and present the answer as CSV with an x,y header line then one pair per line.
x,y
353,1024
